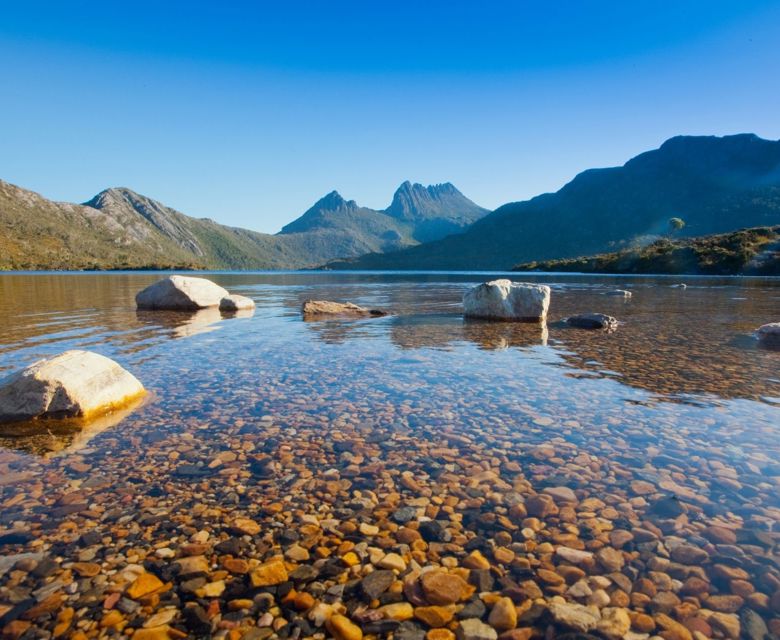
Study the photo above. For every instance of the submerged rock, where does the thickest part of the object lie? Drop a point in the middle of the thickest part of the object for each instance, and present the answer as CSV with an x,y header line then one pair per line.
x,y
235,302
769,335
74,384
181,293
506,300
593,321
312,308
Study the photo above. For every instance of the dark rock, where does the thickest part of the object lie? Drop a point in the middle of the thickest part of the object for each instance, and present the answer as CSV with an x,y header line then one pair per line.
x,y
376,583
593,321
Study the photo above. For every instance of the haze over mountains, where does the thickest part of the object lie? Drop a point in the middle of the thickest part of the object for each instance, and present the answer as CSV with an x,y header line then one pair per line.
x,y
716,185
119,228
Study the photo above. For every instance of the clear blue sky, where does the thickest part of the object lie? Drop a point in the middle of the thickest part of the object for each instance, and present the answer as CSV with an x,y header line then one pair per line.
x,y
247,112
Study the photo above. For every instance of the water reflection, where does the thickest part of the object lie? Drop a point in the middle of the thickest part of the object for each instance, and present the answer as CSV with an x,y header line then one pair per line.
x,y
51,438
185,324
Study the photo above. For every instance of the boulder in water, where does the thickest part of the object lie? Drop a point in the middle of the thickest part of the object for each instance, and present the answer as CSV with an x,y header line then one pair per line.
x,y
181,293
74,384
592,321
235,302
314,308
769,335
507,300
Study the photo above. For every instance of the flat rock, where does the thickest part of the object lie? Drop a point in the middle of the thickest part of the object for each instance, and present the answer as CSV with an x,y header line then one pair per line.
x,y
74,384
507,300
181,293
313,308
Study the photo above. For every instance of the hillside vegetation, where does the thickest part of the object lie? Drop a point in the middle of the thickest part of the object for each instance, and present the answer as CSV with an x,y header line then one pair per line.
x,y
744,252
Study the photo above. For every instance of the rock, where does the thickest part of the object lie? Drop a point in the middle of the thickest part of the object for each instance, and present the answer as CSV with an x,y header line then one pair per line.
x,y
376,583
181,293
343,628
235,302
503,616
312,308
392,561
246,526
143,585
753,625
769,335
619,293
574,556
475,629
560,494
614,622
442,588
593,321
269,574
674,630
506,300
408,631
689,554
435,616
574,616
611,559
727,623
78,384
397,611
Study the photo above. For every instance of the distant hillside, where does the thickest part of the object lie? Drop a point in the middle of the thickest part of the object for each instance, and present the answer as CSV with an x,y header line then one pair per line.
x,y
744,252
121,229
715,184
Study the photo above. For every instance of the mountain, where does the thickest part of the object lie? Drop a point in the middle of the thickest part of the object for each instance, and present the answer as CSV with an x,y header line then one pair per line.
x,y
435,211
121,229
715,184
753,251
416,214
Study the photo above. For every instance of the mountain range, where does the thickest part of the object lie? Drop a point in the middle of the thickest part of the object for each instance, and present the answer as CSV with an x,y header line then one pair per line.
x,y
714,184
120,228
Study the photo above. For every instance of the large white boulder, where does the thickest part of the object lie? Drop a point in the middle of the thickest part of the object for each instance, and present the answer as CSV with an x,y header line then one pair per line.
x,y
77,384
769,335
179,293
507,300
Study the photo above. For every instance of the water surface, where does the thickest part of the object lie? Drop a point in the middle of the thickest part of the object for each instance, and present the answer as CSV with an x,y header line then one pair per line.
x,y
679,401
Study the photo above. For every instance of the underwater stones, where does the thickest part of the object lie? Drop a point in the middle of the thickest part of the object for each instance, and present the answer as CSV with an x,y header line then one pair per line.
x,y
181,293
507,300
343,628
593,321
74,384
234,302
377,582
503,615
313,308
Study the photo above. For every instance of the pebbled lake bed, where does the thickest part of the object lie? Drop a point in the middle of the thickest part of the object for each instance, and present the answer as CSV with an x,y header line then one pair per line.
x,y
278,463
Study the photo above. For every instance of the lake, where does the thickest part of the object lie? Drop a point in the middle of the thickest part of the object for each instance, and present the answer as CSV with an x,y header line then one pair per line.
x,y
403,442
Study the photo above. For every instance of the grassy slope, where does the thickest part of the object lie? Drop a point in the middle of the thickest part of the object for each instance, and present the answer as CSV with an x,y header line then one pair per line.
x,y
36,233
747,251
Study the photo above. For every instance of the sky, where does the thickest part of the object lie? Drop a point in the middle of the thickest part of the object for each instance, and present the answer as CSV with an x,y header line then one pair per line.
x,y
248,112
